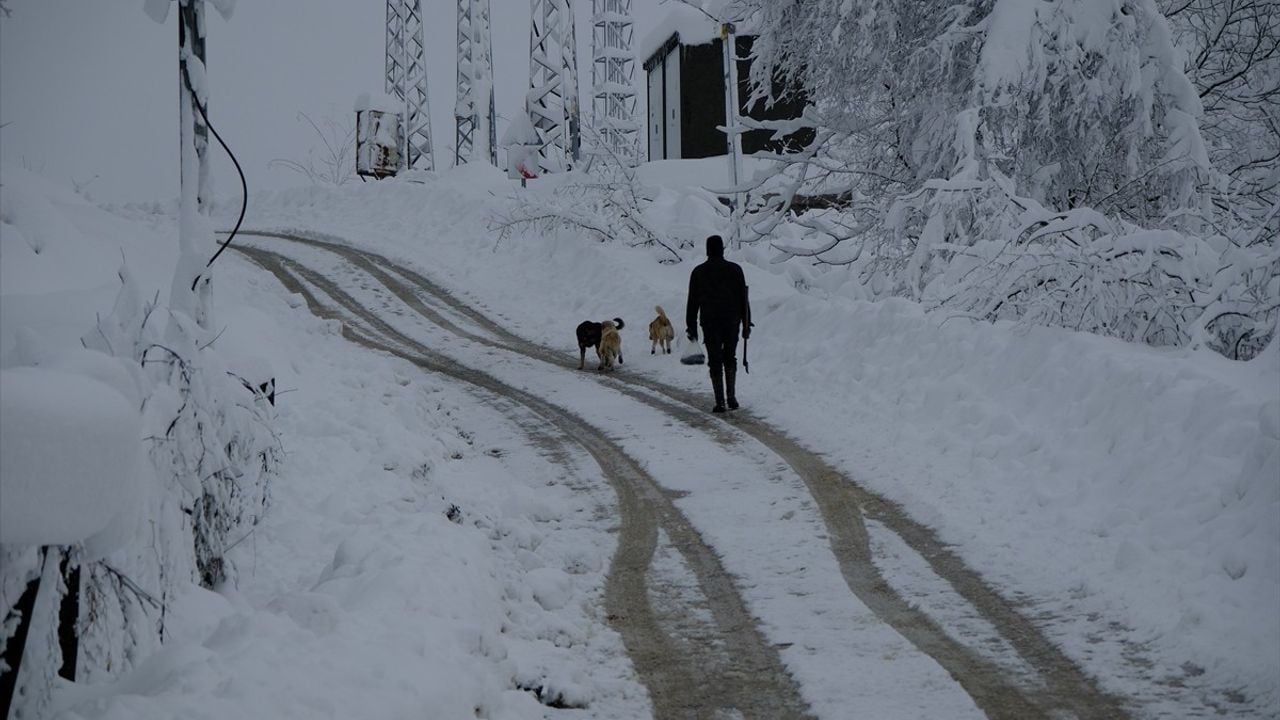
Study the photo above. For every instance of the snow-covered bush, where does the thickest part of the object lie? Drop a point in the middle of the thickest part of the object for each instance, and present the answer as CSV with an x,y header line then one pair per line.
x,y
206,452
209,431
976,248
986,253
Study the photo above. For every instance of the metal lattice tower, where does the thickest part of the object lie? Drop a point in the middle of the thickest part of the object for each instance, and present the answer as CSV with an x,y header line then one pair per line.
x,y
407,80
552,101
476,129
613,69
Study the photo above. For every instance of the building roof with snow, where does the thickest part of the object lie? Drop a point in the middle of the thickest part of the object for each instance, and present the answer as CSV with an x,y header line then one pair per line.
x,y
693,26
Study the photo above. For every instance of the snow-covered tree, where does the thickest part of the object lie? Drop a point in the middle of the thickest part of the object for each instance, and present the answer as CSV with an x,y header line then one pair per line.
x,y
1080,102
1010,160
1232,50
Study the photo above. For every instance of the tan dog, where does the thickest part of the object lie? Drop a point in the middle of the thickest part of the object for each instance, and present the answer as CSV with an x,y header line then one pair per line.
x,y
661,333
589,337
610,347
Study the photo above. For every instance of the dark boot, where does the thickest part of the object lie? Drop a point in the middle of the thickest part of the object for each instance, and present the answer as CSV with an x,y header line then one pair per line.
x,y
717,385
730,380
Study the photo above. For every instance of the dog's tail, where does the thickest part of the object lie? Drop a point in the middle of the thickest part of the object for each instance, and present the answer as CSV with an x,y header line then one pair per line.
x,y
618,322
661,313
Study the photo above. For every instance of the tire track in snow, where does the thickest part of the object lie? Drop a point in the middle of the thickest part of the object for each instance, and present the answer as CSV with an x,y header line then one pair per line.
x,y
1059,688
748,679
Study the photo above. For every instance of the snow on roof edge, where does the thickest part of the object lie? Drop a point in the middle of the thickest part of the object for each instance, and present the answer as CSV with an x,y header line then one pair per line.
x,y
696,22
693,26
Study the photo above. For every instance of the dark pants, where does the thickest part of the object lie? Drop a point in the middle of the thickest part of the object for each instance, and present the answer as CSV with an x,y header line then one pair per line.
x,y
722,347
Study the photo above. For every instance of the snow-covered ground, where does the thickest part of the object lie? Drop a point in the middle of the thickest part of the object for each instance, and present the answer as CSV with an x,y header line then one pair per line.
x,y
1095,477
418,554
1128,496
359,597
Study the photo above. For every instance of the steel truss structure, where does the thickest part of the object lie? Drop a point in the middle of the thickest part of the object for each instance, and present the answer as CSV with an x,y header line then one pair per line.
x,y
552,101
407,80
613,68
475,129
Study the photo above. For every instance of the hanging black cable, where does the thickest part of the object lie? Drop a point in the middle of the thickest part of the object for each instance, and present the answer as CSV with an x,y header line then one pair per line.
x,y
244,186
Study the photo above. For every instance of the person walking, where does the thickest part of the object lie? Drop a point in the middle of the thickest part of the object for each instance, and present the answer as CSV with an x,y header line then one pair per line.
x,y
718,302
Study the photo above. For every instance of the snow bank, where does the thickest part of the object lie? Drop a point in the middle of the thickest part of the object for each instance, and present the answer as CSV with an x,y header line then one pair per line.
x,y
1144,485
70,458
71,431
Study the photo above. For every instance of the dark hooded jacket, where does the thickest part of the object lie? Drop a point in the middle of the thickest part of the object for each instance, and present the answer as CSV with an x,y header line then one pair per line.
x,y
718,294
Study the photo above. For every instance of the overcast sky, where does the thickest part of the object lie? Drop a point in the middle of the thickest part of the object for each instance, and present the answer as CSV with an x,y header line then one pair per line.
x,y
88,88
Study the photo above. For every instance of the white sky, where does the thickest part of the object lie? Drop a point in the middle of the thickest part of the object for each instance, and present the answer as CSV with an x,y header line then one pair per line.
x,y
90,88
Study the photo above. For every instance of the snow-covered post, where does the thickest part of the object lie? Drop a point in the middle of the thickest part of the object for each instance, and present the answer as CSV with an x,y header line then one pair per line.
x,y
189,292
729,41
191,29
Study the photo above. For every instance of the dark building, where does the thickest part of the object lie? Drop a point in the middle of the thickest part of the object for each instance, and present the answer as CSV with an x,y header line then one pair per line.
x,y
686,102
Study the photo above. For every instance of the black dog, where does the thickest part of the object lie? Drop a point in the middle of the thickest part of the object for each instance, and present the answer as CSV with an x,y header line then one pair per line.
x,y
589,336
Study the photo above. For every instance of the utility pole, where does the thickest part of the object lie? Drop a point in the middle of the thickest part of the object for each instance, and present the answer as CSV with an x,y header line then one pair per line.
x,y
190,291
552,100
729,40
406,79
613,68
191,55
475,128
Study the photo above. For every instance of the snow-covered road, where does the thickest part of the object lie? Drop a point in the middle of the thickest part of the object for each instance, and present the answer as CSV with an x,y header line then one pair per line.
x,y
786,578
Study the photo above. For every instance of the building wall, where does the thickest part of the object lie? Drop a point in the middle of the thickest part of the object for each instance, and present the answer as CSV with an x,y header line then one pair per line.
x,y
702,101
688,82
673,117
655,122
